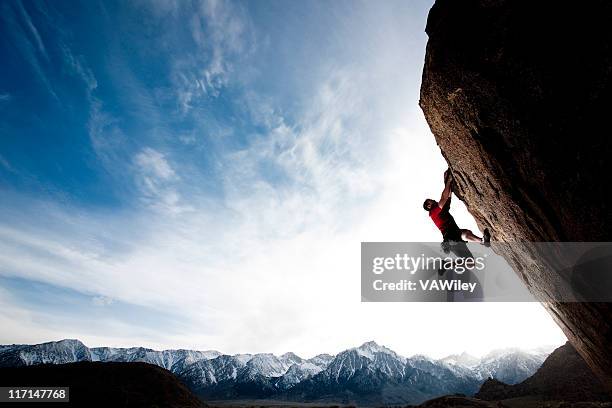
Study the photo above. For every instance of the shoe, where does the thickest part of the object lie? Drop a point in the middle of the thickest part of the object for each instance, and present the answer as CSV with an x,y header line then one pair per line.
x,y
486,238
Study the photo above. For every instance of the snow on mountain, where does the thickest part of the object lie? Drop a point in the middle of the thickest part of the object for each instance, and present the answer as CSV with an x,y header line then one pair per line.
x,y
173,360
55,352
440,369
366,373
298,373
291,358
243,358
321,360
370,349
303,370
345,364
267,365
204,373
367,357
177,359
464,359
375,375
509,366
132,354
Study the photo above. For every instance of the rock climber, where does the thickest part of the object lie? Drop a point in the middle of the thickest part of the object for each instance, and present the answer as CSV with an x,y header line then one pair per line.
x,y
439,212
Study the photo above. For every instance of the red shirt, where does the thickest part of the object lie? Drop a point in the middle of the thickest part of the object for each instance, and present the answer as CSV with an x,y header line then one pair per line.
x,y
442,218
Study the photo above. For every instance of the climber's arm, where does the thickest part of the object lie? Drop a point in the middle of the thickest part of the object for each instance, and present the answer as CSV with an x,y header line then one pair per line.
x,y
446,193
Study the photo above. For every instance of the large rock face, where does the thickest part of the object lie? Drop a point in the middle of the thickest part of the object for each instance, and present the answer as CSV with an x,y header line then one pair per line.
x,y
517,94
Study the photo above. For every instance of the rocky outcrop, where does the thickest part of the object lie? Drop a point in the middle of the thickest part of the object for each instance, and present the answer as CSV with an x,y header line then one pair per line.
x,y
564,376
517,94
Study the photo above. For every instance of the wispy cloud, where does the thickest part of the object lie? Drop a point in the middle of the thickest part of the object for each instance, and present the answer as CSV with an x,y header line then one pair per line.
x,y
102,300
32,31
5,163
224,37
26,38
156,179
78,66
313,167
153,165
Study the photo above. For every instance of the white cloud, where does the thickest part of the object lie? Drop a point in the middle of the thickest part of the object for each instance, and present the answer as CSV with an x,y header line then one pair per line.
x,y
107,139
80,68
153,164
157,181
223,36
102,301
32,30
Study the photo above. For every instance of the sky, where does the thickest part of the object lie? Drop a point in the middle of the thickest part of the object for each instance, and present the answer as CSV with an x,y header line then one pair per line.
x,y
185,174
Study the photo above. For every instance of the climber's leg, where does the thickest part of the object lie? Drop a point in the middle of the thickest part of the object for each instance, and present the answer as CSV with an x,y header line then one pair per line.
x,y
469,236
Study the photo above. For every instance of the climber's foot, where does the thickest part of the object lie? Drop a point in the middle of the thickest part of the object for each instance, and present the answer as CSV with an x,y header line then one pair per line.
x,y
486,238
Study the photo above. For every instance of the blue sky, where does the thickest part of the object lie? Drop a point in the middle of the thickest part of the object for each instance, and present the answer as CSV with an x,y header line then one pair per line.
x,y
200,175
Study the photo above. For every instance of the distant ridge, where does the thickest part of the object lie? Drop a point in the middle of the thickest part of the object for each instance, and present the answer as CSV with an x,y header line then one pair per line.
x,y
368,374
564,376
563,381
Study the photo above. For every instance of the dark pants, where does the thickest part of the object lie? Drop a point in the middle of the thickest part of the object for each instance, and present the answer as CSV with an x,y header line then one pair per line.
x,y
455,244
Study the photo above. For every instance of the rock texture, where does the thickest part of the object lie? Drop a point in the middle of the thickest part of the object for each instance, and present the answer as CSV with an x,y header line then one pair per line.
x,y
564,376
517,94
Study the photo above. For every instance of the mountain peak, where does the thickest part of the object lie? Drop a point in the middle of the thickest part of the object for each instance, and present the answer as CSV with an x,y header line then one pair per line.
x,y
464,359
370,348
291,356
66,342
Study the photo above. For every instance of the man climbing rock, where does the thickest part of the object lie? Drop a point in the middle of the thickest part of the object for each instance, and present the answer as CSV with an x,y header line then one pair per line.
x,y
439,212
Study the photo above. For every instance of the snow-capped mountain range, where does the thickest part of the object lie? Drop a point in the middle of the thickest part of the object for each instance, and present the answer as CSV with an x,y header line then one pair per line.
x,y
370,373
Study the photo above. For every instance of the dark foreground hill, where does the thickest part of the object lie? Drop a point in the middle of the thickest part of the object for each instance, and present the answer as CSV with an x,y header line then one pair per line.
x,y
105,384
564,376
